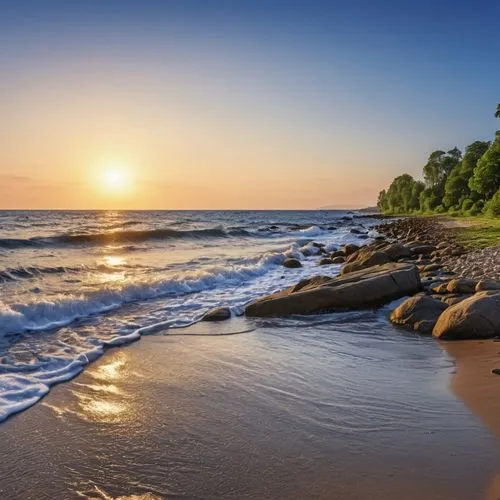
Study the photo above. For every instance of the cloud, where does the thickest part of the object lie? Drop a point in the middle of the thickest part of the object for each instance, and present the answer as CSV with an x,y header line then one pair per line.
x,y
14,178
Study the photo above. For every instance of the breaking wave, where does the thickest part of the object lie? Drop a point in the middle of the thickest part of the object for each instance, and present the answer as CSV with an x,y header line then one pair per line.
x,y
114,237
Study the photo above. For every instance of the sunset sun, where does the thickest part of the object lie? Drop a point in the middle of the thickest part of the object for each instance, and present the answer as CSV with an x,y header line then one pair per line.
x,y
115,180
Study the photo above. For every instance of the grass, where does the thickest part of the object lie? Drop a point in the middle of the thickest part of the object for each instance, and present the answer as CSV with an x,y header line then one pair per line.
x,y
478,232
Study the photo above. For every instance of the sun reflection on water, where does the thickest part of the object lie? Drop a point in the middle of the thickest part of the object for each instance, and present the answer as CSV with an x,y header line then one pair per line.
x,y
114,260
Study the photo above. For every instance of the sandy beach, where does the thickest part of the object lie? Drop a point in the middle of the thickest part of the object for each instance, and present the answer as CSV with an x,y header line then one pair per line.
x,y
275,412
477,386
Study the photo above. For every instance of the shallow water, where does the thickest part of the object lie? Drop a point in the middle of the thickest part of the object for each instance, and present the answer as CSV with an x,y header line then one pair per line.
x,y
74,283
332,406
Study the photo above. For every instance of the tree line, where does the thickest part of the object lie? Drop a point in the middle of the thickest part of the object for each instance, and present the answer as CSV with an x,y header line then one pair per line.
x,y
453,182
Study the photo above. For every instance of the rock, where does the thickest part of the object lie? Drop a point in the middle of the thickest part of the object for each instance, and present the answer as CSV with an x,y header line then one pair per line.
x,y
419,313
326,261
422,249
487,285
356,231
370,287
461,285
338,260
477,317
292,263
218,314
451,300
350,249
431,267
372,259
338,253
397,251
363,236
439,288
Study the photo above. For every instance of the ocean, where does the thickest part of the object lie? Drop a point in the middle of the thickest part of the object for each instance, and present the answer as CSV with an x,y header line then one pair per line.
x,y
73,283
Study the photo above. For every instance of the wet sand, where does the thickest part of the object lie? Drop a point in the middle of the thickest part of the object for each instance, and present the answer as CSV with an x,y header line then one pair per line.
x,y
347,409
478,387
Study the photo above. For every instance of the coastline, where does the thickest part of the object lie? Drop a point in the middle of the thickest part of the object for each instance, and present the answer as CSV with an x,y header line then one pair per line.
x,y
172,416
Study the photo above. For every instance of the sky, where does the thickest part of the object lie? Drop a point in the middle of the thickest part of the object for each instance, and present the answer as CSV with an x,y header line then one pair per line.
x,y
236,104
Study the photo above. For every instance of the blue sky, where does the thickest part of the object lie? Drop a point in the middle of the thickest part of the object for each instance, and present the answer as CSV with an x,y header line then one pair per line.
x,y
349,94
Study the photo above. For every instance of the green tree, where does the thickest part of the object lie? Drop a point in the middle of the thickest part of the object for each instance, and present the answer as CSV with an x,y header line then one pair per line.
x,y
402,196
382,202
417,189
493,206
456,188
486,178
497,113
439,165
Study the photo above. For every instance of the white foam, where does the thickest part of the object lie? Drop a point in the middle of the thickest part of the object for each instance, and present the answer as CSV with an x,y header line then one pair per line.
x,y
331,247
62,310
310,249
312,231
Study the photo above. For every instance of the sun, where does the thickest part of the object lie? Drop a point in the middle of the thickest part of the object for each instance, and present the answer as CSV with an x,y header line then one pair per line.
x,y
115,180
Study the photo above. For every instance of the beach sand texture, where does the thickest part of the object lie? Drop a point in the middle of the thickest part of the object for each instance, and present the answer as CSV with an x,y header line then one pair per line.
x,y
276,412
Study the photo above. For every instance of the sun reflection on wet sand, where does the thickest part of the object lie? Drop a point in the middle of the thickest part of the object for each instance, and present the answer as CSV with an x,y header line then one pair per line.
x,y
112,369
104,402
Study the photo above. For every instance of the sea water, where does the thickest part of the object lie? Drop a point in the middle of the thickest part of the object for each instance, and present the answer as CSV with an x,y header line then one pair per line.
x,y
75,282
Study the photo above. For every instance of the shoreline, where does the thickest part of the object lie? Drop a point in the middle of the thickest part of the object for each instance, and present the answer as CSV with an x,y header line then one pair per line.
x,y
109,395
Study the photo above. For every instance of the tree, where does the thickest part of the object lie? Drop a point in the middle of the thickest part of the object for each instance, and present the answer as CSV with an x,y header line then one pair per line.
x,y
402,195
417,189
382,204
439,165
486,178
497,113
456,188
493,206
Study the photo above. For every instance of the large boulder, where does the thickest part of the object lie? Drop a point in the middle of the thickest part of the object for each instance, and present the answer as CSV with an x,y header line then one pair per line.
x,y
366,260
477,317
370,287
418,313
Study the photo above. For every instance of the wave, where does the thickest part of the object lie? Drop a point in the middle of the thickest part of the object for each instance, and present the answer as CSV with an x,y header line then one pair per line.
x,y
114,237
312,231
62,310
20,273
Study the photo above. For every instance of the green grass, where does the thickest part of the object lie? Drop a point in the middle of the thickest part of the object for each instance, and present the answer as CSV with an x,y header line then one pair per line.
x,y
480,232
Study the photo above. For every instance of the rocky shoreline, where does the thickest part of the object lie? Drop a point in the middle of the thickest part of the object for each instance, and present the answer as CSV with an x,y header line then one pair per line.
x,y
454,293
